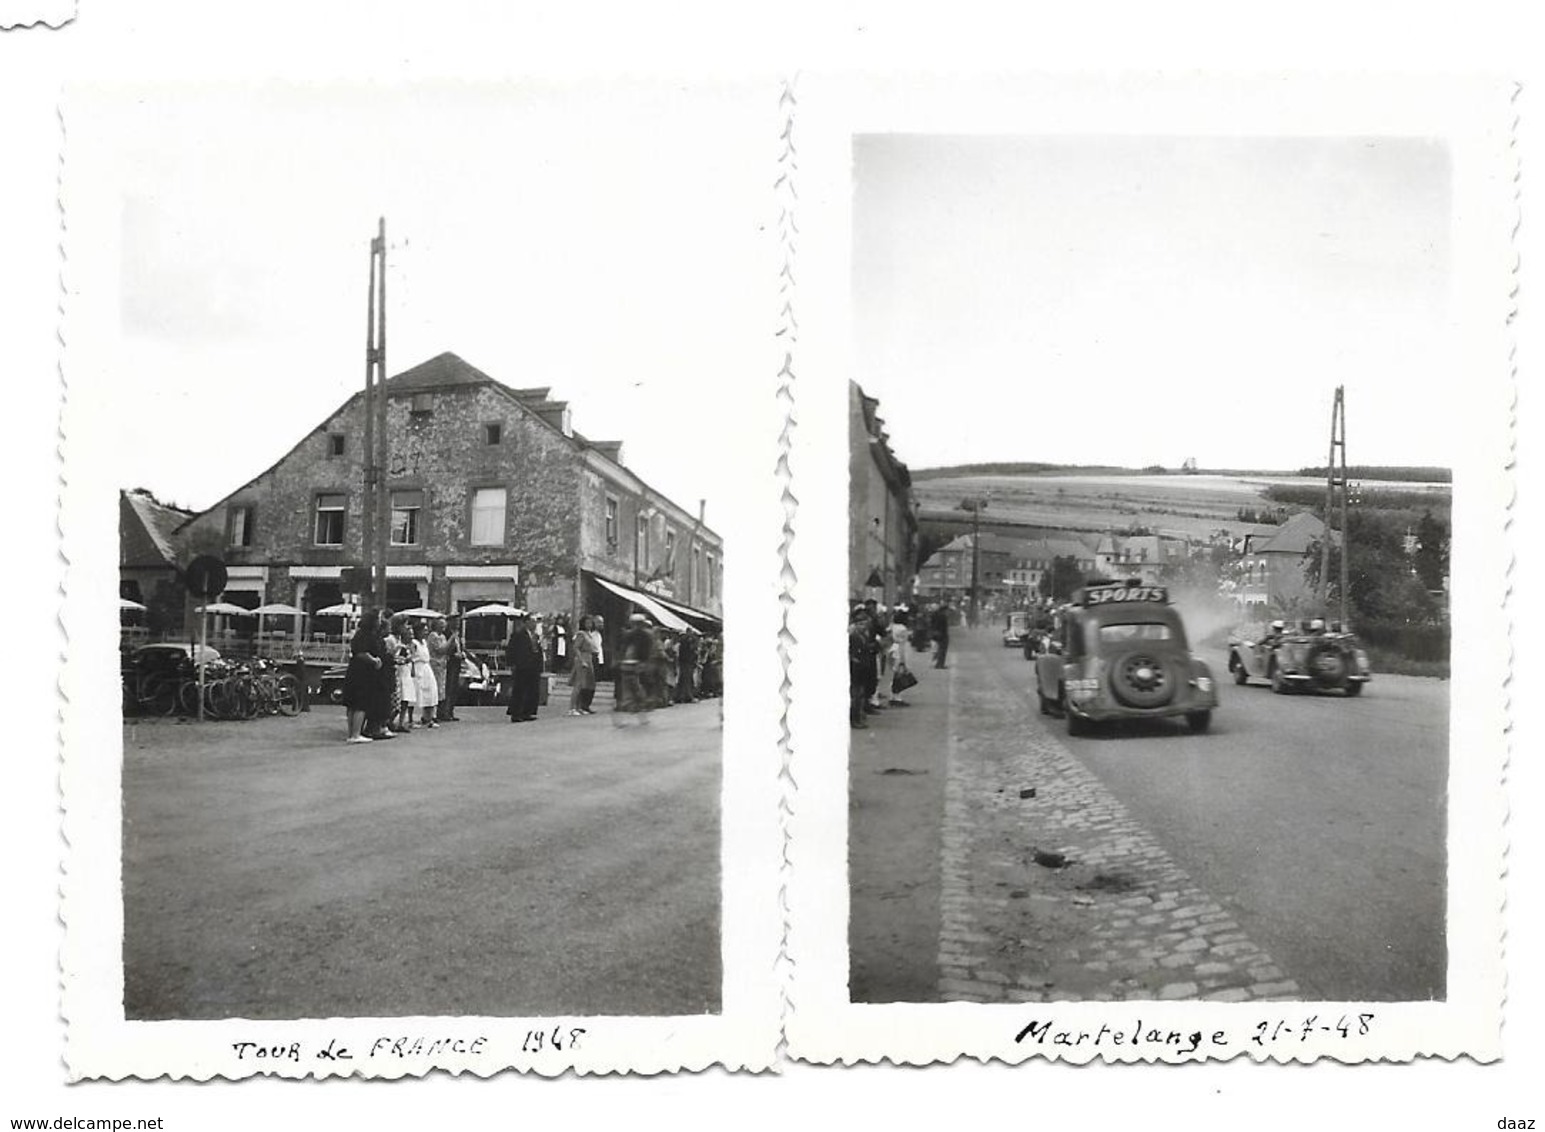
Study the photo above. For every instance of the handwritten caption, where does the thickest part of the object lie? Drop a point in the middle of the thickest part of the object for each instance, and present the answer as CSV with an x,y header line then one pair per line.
x,y
405,1047
1264,1033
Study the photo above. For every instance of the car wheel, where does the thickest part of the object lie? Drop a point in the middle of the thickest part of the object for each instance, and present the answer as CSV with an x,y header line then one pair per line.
x,y
1328,666
1142,680
1237,667
1199,721
1355,688
1077,724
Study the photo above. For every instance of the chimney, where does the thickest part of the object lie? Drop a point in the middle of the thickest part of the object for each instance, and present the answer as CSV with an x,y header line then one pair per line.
x,y
702,511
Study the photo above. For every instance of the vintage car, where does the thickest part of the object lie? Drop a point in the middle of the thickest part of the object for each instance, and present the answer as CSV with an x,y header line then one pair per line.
x,y
1305,656
1121,653
1016,628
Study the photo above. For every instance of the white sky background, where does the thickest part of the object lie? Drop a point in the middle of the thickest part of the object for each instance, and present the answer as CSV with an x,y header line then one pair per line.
x,y
603,241
1199,296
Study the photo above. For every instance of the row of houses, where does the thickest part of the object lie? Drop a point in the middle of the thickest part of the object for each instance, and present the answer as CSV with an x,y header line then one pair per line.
x,y
1270,568
494,498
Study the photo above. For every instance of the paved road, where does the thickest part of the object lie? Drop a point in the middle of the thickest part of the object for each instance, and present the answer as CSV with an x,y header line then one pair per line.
x,y
1295,851
557,867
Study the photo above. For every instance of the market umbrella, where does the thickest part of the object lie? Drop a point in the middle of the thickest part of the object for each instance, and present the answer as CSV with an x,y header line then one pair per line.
x,y
495,610
127,606
228,608
342,609
275,609
420,612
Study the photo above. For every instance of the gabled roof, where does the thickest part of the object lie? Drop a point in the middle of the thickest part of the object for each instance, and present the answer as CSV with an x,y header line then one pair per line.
x,y
443,371
147,530
1294,536
447,371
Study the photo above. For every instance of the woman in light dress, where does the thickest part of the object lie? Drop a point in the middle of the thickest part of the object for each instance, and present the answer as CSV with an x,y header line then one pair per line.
x,y
407,689
426,689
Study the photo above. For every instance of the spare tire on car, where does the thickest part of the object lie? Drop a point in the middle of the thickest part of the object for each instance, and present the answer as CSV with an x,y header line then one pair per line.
x,y
1327,666
1140,679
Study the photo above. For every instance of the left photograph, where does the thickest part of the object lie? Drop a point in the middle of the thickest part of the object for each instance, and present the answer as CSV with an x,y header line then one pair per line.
x,y
426,573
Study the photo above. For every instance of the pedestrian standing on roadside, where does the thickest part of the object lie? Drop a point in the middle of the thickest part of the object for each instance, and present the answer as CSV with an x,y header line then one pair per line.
x,y
670,654
872,679
362,682
426,691
439,652
386,706
582,674
898,653
455,657
939,625
859,664
524,659
402,654
686,664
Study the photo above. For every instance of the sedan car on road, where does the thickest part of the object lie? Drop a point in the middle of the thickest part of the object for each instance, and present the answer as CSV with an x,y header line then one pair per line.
x,y
1122,654
1306,657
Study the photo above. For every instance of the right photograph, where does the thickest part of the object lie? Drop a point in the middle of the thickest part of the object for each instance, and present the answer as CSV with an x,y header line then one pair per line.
x,y
1150,453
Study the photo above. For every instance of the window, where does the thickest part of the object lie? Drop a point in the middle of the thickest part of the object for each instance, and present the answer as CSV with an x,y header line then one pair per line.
x,y
488,516
241,526
493,433
334,444
406,506
1117,634
329,523
713,576
423,403
670,551
611,523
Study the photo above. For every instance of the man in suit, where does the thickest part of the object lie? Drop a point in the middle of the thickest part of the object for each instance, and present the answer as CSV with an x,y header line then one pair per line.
x,y
524,657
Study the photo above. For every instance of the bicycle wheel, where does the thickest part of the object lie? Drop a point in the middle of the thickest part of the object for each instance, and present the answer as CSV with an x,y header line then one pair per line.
x,y
159,696
287,696
187,697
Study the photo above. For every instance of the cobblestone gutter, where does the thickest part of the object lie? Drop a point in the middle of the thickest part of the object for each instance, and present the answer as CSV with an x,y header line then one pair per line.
x,y
1059,894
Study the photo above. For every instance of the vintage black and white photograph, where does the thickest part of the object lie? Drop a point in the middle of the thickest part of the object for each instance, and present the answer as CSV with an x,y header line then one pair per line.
x,y
427,417
1179,726
1150,589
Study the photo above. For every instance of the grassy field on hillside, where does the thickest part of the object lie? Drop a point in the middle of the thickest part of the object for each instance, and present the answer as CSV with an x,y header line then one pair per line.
x,y
1192,505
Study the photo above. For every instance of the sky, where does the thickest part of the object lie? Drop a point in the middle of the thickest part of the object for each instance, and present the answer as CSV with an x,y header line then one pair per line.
x,y
606,242
1145,300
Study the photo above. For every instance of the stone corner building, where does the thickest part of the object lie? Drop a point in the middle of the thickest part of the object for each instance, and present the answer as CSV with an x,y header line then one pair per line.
x,y
882,517
494,498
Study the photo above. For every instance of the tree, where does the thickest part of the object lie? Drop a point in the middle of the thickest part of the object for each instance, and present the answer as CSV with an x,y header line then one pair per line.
x,y
1061,579
1382,585
1431,558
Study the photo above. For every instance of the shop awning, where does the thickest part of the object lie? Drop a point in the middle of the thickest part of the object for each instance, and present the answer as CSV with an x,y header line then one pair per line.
x,y
647,603
703,622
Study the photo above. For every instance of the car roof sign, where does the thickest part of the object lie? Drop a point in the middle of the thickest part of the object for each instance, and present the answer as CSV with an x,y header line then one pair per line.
x,y
1108,592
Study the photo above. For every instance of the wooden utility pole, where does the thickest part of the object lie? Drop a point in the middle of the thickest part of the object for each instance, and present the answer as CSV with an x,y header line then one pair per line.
x,y
372,473
376,528
1336,491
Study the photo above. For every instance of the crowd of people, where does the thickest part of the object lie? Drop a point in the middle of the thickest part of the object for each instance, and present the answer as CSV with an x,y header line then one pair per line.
x,y
401,675
878,672
406,674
